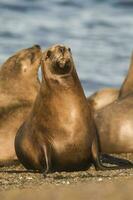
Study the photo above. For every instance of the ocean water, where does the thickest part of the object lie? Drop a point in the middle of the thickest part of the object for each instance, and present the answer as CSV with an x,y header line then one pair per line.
x,y
99,33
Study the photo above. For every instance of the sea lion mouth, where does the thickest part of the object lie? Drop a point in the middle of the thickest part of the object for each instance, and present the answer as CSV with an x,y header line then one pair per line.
x,y
61,67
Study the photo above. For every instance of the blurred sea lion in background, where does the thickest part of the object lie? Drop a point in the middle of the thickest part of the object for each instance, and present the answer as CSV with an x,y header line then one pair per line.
x,y
115,121
102,98
19,85
115,124
57,136
106,96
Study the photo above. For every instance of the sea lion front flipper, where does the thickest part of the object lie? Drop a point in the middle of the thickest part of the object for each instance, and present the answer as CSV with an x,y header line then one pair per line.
x,y
47,159
97,162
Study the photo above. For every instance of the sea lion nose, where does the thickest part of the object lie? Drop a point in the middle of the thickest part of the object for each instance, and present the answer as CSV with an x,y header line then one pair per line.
x,y
62,49
37,46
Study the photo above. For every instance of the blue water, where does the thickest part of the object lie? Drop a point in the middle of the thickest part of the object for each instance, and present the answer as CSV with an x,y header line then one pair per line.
x,y
99,32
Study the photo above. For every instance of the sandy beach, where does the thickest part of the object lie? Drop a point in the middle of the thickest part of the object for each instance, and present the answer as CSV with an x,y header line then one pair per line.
x,y
114,184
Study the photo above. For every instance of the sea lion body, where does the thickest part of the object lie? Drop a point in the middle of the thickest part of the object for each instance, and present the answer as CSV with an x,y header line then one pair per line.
x,y
102,98
18,88
57,136
115,121
64,142
115,124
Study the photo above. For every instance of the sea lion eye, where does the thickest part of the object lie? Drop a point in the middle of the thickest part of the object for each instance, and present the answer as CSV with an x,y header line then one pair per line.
x,y
48,54
69,50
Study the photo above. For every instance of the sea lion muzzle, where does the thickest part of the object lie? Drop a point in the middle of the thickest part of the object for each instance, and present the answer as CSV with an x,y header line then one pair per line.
x,y
63,64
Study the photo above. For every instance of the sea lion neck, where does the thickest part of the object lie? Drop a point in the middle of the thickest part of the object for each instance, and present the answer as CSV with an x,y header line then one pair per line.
x,y
55,97
62,84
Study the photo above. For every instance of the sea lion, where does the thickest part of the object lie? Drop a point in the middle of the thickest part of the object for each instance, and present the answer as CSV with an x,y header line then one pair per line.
x,y
106,96
57,136
115,124
106,119
115,121
102,98
19,85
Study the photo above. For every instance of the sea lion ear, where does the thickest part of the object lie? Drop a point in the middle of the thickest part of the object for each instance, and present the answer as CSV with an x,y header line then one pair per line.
x,y
23,66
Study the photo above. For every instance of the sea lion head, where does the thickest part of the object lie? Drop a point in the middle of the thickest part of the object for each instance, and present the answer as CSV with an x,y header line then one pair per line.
x,y
22,64
57,62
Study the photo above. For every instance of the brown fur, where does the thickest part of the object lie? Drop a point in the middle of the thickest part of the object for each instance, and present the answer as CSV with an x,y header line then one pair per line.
x,y
106,96
115,121
127,86
102,98
57,136
115,126
19,85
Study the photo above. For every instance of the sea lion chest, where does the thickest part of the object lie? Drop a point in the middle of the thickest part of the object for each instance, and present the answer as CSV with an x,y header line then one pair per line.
x,y
69,137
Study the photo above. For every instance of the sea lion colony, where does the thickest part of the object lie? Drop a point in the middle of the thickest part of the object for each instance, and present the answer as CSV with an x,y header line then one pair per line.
x,y
59,131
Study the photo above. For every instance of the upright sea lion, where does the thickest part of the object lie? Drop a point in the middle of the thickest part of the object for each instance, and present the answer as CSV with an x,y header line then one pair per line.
x,y
19,85
102,98
57,136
